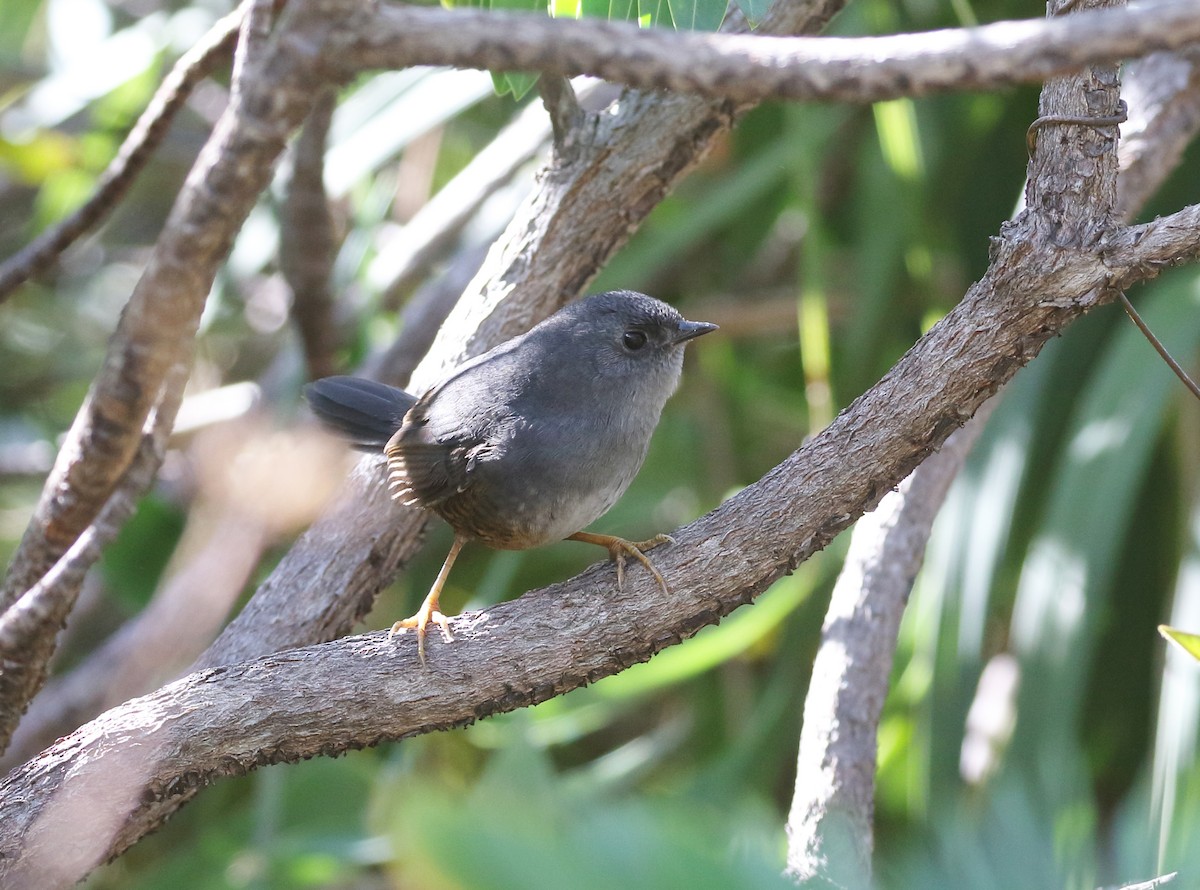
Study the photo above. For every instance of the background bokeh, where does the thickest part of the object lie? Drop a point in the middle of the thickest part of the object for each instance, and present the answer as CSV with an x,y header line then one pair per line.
x,y
1037,734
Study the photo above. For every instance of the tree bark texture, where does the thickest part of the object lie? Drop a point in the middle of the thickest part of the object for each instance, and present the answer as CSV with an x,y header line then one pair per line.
x,y
92,794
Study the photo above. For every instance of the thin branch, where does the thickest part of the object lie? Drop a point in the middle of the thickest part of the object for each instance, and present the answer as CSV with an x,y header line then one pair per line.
x,y
565,114
326,699
135,151
1152,884
307,248
158,323
29,628
754,67
1135,253
179,622
408,255
1163,93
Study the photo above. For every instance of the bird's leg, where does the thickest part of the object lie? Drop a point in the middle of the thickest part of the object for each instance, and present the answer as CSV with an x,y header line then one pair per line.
x,y
619,548
429,610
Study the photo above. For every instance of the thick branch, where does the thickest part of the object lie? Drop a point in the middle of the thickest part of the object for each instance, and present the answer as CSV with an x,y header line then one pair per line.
x,y
753,68
311,701
830,826
584,210
158,323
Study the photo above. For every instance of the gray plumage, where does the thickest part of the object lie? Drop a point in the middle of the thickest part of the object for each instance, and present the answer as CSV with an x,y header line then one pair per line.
x,y
535,439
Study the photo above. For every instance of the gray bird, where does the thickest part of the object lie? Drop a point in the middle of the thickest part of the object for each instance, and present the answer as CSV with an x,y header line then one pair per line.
x,y
531,441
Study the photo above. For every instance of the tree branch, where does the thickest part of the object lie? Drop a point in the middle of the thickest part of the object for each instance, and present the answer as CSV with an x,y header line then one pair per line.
x,y
830,826
558,96
158,323
1163,93
29,628
307,241
311,701
407,257
584,210
245,498
750,68
664,136
135,151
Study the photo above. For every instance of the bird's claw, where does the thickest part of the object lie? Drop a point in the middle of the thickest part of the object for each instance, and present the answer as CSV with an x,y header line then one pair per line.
x,y
619,549
419,622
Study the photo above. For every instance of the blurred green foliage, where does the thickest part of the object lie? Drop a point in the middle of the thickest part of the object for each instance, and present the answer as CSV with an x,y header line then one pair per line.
x,y
824,239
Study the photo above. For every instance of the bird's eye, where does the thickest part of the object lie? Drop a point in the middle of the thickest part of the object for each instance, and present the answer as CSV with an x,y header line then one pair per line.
x,y
634,340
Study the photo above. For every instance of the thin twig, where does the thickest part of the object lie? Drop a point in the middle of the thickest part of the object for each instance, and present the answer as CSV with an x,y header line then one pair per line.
x,y
1078,120
1158,346
135,151
565,114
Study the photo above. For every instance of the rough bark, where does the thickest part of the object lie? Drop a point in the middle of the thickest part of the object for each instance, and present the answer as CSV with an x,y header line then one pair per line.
x,y
830,825
588,203
98,785
749,68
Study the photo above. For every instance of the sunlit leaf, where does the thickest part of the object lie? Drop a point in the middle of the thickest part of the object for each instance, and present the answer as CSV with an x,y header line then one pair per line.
x,y
45,153
1188,642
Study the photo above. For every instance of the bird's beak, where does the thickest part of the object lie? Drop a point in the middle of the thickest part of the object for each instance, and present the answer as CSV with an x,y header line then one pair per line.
x,y
689,330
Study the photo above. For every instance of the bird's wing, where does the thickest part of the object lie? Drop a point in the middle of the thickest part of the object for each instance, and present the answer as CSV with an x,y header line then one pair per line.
x,y
427,465
457,423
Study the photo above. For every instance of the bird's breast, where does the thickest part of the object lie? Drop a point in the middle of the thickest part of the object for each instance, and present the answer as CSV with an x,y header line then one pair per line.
x,y
543,482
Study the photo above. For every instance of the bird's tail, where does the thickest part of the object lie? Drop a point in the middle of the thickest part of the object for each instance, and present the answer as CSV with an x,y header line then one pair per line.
x,y
363,411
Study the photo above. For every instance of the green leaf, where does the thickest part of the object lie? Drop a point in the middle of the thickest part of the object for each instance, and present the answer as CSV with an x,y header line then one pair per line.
x,y
697,15
613,10
754,10
652,12
514,83
16,18
1069,570
518,83
1189,643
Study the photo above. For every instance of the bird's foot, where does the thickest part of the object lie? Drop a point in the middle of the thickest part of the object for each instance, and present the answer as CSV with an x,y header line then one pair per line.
x,y
429,610
427,613
619,549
